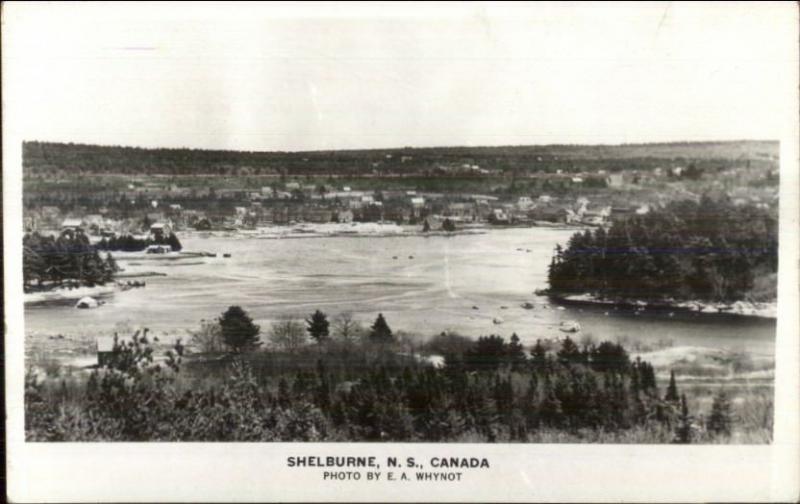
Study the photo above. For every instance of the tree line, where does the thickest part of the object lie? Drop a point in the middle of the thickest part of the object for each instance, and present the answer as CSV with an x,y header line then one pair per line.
x,y
130,243
711,250
50,157
48,261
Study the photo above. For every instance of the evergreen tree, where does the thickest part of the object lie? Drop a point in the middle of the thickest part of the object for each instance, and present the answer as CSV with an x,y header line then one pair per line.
x,y
539,356
426,226
380,332
569,352
317,326
719,422
683,433
550,410
110,267
34,266
174,242
487,354
648,378
238,330
672,389
609,356
530,402
516,354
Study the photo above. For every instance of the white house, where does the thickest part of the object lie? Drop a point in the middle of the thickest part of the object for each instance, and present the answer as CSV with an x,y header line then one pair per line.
x,y
344,216
524,202
159,229
71,224
614,180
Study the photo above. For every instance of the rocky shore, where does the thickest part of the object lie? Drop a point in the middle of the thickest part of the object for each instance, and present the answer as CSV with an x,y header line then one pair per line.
x,y
743,308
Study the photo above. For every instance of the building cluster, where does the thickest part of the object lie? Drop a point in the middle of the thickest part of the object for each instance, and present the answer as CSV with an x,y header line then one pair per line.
x,y
578,198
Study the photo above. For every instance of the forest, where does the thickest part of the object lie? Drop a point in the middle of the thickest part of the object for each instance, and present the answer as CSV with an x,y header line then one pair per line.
x,y
70,259
711,250
49,158
311,383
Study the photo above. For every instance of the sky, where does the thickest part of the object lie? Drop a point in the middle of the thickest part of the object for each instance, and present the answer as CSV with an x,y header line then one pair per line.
x,y
327,76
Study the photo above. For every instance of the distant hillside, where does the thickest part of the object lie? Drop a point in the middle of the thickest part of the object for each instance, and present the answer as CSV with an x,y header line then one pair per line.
x,y
47,157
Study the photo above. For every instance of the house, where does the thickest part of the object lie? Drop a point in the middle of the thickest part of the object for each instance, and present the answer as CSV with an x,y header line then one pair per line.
x,y
291,186
483,198
417,202
160,230
158,249
459,211
344,216
72,225
593,217
94,220
155,216
524,202
549,213
615,180
499,216
317,215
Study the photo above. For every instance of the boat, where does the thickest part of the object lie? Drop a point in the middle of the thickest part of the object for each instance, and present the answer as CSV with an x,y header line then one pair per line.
x,y
570,326
527,305
87,302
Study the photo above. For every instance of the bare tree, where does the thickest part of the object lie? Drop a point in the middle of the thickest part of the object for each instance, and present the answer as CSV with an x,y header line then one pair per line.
x,y
288,334
346,328
208,339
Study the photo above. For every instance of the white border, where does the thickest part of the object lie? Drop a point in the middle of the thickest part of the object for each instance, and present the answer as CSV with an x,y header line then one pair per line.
x,y
72,472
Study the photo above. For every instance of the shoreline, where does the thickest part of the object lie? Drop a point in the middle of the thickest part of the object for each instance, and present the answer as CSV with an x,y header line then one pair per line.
x,y
737,308
65,294
359,230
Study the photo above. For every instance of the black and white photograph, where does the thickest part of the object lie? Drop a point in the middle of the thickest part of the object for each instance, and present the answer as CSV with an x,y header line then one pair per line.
x,y
455,225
